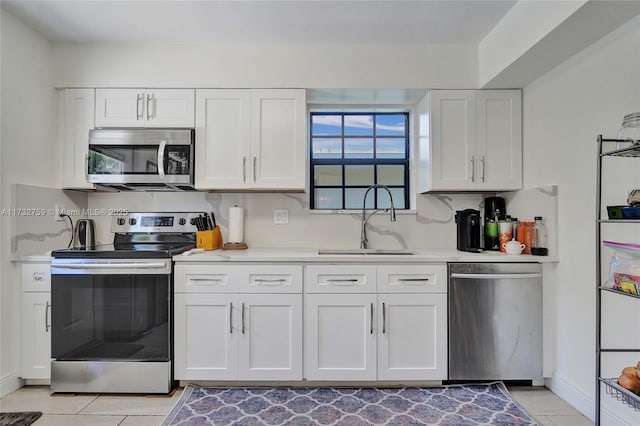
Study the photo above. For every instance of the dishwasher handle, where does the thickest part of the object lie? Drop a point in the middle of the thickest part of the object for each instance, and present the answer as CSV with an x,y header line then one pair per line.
x,y
496,276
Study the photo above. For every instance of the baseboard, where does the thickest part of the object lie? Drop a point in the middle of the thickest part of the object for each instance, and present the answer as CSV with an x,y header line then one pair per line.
x,y
10,383
578,399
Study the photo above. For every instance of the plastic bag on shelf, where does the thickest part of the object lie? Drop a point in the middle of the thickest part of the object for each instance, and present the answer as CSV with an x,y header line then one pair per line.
x,y
624,268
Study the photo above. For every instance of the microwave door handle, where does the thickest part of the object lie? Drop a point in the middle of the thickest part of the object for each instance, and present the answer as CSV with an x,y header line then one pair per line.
x,y
161,149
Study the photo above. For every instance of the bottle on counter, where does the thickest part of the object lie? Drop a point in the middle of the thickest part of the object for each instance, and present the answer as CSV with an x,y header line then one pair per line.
x,y
539,238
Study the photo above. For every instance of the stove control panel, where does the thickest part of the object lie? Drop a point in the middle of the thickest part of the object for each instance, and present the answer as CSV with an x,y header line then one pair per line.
x,y
155,222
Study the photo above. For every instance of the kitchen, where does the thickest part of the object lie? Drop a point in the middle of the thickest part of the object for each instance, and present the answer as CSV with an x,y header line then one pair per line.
x,y
565,106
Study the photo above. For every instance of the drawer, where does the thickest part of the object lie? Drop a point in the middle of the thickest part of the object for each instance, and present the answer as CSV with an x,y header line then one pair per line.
x,y
206,278
412,278
36,276
340,279
270,279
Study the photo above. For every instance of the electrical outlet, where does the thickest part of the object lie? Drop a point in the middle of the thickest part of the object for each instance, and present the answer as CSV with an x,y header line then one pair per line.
x,y
59,208
281,217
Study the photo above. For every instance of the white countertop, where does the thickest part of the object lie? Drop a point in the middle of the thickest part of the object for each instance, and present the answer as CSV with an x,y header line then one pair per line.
x,y
44,257
311,255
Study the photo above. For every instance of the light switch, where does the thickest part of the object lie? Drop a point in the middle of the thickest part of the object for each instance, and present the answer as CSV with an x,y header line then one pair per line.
x,y
281,217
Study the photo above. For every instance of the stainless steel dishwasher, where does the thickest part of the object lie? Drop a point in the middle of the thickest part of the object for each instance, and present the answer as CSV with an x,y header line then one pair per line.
x,y
495,322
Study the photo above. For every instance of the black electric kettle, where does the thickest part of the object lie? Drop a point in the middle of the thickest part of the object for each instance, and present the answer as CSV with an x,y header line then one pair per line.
x,y
84,235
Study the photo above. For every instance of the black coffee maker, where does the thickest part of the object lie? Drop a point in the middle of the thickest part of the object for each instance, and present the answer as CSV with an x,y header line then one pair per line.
x,y
468,227
494,210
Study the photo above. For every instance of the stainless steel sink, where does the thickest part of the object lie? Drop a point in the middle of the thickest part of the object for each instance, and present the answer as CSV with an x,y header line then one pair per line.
x,y
365,252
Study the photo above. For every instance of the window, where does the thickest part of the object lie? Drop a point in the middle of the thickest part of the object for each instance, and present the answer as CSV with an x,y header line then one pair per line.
x,y
352,151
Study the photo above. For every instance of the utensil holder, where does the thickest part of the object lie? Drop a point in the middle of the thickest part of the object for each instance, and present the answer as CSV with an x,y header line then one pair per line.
x,y
209,240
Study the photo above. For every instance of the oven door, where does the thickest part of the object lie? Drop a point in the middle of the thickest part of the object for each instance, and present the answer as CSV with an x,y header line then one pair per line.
x,y
111,310
140,156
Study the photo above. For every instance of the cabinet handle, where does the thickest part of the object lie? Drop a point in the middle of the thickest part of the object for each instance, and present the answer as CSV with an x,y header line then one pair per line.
x,y
46,317
412,279
384,319
139,113
473,168
342,280
244,169
149,116
242,317
264,280
372,318
230,317
254,168
482,160
37,277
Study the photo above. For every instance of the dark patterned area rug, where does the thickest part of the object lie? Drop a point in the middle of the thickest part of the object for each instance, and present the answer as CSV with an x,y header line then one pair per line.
x,y
19,419
478,404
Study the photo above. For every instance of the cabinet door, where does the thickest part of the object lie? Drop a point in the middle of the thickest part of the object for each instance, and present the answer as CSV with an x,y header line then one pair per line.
x,y
278,140
223,139
120,108
453,139
36,335
77,109
270,346
169,108
499,139
412,337
206,337
340,340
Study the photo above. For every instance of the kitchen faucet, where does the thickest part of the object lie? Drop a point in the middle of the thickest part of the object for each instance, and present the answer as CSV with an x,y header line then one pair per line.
x,y
392,213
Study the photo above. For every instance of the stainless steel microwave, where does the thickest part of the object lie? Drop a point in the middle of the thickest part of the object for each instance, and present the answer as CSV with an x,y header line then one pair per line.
x,y
141,159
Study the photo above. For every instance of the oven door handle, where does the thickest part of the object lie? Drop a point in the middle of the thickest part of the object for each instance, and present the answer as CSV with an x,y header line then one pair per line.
x,y
123,265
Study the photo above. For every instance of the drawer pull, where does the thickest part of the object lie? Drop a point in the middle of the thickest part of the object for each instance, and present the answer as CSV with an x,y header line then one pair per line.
x,y
215,280
264,280
342,280
412,280
37,277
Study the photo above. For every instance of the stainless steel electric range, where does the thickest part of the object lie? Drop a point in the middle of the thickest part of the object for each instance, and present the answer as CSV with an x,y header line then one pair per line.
x,y
112,307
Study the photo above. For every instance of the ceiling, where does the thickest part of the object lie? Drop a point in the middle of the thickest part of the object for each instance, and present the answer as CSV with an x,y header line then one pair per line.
x,y
263,21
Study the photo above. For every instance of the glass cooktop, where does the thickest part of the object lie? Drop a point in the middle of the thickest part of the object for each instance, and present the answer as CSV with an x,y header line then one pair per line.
x,y
125,250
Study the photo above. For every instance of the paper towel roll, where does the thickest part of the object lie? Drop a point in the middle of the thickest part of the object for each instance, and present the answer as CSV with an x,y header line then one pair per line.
x,y
236,224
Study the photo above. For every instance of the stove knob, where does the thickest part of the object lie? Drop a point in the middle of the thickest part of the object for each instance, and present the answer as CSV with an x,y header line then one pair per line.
x,y
132,221
120,221
192,221
182,221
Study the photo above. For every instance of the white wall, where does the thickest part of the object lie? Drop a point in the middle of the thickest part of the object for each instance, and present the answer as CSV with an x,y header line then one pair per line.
x,y
262,65
28,149
563,113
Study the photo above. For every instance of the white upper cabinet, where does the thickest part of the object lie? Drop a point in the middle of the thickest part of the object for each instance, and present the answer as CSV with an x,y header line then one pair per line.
x,y
251,139
470,140
76,119
145,108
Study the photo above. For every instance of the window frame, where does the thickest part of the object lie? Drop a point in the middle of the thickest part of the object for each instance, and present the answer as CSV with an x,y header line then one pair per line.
x,y
373,161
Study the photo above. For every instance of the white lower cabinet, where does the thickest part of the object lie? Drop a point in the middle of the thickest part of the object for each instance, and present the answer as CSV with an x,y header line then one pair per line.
x,y
340,340
238,322
206,344
351,335
412,337
270,342
360,322
36,321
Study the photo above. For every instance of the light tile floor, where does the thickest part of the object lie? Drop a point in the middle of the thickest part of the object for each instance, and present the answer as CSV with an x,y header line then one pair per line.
x,y
119,410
